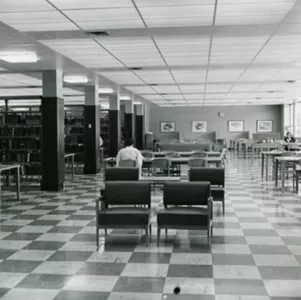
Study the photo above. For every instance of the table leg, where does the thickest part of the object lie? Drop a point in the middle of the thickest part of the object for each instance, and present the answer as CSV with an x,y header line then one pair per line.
x,y
282,175
0,190
18,183
262,165
206,164
72,167
276,173
266,167
252,156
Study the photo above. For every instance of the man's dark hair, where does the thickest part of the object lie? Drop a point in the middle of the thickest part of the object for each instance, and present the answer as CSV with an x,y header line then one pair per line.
x,y
129,142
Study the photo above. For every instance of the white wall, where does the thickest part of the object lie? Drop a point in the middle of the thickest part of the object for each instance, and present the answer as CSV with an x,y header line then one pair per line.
x,y
183,116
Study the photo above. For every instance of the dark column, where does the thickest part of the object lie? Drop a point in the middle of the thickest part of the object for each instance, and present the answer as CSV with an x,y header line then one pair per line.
x,y
139,126
114,125
91,139
92,130
52,146
129,120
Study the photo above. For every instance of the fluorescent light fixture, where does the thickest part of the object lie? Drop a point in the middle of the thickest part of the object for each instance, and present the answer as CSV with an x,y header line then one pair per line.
x,y
76,79
20,109
136,103
24,103
105,91
125,98
19,57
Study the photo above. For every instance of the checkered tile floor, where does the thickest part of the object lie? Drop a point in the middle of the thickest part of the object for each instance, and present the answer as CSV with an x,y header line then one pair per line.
x,y
47,247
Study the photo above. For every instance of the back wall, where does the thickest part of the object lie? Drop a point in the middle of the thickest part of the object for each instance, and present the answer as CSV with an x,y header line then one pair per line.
x,y
183,117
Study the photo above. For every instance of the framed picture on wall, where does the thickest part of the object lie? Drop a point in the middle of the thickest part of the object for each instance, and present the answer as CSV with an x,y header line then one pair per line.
x,y
235,126
199,126
168,126
265,126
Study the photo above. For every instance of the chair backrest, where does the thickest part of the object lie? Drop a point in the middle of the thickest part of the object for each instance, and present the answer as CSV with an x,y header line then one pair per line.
x,y
198,154
292,147
121,174
172,154
127,193
161,163
127,163
186,193
196,162
298,153
216,176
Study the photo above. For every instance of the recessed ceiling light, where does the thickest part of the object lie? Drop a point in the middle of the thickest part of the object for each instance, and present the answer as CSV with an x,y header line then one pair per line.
x,y
105,91
137,103
125,98
105,105
136,68
19,57
76,79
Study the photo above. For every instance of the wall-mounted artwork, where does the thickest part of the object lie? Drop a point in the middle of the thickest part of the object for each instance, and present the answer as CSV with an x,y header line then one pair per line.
x,y
235,126
199,126
264,126
168,126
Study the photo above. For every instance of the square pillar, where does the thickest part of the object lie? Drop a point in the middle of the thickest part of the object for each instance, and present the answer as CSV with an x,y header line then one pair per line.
x,y
52,142
129,120
114,125
139,126
92,130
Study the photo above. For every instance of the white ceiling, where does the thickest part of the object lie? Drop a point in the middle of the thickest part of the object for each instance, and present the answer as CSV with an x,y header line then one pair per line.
x,y
192,52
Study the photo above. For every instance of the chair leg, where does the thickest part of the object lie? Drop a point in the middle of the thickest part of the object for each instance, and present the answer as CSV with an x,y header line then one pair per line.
x,y
150,228
146,236
297,183
166,231
97,236
158,236
211,230
223,203
106,232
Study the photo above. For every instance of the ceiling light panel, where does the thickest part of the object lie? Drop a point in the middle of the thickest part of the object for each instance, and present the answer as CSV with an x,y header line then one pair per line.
x,y
167,89
141,89
57,26
133,51
91,4
179,22
7,6
224,75
35,17
116,24
189,11
186,88
109,14
122,77
214,88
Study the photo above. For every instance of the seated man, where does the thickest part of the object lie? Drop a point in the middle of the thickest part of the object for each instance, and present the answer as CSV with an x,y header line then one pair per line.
x,y
289,139
130,153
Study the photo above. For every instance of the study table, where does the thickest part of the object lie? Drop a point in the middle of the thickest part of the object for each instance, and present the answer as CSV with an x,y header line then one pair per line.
x,y
265,159
8,168
174,160
186,153
282,160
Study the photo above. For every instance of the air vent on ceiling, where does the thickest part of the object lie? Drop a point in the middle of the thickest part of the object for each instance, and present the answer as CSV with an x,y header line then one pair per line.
x,y
33,87
162,94
153,84
136,69
291,81
98,33
258,98
271,92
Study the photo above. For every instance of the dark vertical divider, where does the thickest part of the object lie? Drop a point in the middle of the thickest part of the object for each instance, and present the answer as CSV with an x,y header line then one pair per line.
x,y
53,144
139,131
91,139
114,132
129,129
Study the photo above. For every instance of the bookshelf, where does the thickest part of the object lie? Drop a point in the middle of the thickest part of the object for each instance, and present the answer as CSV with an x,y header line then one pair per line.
x,y
104,131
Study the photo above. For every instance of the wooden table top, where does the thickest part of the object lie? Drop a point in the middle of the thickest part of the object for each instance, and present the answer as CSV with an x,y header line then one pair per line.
x,y
288,158
173,159
160,178
9,167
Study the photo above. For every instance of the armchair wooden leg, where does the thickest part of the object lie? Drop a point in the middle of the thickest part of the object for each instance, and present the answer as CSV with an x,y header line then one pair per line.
x,y
97,236
158,236
146,236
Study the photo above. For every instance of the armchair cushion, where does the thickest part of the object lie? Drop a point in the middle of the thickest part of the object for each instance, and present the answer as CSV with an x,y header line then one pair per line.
x,y
183,217
124,216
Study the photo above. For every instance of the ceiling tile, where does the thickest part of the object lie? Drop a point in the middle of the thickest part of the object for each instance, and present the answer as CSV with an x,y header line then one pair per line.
x,y
91,4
